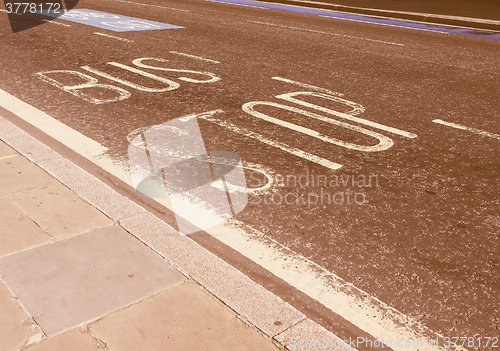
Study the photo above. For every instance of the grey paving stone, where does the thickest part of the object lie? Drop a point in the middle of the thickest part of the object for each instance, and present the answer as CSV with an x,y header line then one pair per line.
x,y
79,279
18,174
260,307
18,231
14,322
178,319
6,150
91,189
60,211
73,340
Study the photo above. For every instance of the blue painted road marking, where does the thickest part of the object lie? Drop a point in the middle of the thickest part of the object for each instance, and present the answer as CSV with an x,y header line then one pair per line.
x,y
110,21
364,18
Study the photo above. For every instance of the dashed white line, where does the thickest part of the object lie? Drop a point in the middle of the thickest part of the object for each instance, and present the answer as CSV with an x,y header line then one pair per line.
x,y
308,86
58,23
469,129
328,33
194,56
163,7
114,37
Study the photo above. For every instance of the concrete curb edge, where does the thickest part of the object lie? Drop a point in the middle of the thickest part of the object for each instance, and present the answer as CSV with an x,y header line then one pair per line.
x,y
274,318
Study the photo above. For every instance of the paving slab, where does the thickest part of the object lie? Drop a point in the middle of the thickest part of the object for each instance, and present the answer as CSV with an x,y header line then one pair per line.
x,y
82,278
253,302
6,150
73,340
181,318
91,189
14,322
307,335
18,231
60,211
18,174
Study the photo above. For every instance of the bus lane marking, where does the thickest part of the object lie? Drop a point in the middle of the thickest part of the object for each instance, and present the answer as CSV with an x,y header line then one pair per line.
x,y
209,116
356,306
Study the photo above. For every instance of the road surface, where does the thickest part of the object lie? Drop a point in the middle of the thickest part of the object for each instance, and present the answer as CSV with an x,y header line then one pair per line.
x,y
381,143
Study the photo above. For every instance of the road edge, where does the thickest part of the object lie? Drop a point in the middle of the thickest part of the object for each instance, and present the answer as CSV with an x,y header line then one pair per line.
x,y
256,306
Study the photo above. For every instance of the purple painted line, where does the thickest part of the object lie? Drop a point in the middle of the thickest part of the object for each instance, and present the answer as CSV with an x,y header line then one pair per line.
x,y
364,18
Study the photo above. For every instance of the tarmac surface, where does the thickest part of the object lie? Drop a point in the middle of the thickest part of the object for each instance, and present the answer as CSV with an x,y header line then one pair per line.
x,y
404,206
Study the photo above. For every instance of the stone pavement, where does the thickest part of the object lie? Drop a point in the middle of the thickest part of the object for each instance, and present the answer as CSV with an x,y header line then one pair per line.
x,y
72,279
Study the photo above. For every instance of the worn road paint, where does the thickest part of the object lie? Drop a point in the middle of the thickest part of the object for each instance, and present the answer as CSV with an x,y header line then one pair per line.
x,y
308,86
209,116
369,19
139,63
357,109
88,83
194,56
114,37
110,21
473,130
171,85
366,312
384,142
58,23
334,34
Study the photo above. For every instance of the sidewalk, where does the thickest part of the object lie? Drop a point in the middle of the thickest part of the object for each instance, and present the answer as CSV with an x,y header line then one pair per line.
x,y
78,278
74,280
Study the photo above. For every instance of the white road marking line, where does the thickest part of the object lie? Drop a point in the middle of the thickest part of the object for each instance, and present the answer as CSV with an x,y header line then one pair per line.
x,y
7,157
384,142
114,37
334,34
472,130
349,116
58,23
66,135
209,116
308,86
366,312
163,7
193,56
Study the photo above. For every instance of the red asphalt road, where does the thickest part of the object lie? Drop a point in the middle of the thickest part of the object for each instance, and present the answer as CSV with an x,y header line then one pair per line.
x,y
425,241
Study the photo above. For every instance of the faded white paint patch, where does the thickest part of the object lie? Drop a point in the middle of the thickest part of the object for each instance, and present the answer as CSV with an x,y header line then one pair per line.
x,y
469,129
